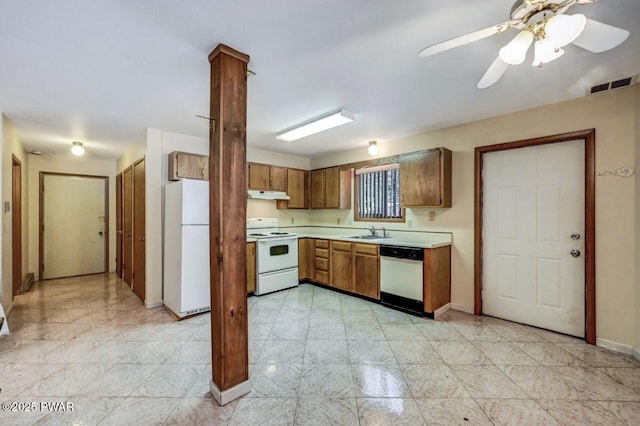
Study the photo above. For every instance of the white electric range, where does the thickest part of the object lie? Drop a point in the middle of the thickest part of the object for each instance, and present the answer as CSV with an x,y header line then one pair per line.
x,y
276,255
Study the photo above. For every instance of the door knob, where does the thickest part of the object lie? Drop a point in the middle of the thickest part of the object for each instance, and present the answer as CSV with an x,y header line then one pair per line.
x,y
575,236
101,233
575,253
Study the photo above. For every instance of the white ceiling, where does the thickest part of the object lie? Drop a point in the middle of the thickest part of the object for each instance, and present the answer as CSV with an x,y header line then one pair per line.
x,y
102,71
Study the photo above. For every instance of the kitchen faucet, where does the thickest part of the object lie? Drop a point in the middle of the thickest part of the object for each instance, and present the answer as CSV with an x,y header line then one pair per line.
x,y
384,232
372,229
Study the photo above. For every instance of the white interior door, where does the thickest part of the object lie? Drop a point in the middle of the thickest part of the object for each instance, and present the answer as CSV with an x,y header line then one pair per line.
x,y
533,218
74,226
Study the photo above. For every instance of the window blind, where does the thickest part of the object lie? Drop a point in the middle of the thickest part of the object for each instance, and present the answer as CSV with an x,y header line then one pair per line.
x,y
379,193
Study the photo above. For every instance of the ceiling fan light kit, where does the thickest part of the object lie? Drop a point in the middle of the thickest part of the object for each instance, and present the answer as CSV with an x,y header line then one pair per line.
x,y
317,125
515,52
545,22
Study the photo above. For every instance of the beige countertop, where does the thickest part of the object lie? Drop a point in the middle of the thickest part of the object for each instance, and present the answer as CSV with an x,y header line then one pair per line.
x,y
397,238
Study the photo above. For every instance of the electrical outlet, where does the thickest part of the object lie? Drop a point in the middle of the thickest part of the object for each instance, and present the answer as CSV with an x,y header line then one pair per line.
x,y
7,206
432,216
338,221
410,223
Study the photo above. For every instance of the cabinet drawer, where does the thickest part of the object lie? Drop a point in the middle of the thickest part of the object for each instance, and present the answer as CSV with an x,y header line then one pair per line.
x,y
322,277
340,246
322,244
322,264
371,249
322,253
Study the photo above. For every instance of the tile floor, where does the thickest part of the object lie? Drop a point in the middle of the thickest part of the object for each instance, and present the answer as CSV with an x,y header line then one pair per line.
x,y
316,357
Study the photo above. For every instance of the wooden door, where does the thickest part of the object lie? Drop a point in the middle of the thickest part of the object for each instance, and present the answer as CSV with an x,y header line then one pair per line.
x,y
127,225
317,189
278,178
366,270
16,224
534,236
119,230
251,267
139,281
258,176
332,188
341,266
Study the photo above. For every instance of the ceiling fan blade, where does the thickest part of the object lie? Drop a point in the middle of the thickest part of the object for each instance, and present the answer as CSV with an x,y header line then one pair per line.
x,y
493,74
467,38
598,37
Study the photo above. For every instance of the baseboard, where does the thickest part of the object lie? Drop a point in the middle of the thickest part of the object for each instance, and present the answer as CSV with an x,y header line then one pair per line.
x,y
636,353
614,346
156,304
462,308
8,311
441,310
27,282
226,396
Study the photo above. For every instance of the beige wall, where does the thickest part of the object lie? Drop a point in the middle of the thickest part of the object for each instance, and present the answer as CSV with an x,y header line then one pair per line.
x,y
11,146
613,115
72,165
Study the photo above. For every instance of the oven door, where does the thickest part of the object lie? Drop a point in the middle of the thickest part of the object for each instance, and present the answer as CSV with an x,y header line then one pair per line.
x,y
275,254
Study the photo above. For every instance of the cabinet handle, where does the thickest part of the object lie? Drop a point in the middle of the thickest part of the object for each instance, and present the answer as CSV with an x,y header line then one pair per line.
x,y
265,182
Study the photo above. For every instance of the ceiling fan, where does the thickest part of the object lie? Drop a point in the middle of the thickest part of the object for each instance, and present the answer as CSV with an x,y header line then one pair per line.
x,y
542,21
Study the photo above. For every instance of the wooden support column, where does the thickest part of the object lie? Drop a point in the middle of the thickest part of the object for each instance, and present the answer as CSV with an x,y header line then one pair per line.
x,y
227,219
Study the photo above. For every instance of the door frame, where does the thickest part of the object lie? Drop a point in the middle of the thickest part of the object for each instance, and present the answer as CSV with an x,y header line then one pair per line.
x,y
119,225
41,217
16,224
139,290
589,137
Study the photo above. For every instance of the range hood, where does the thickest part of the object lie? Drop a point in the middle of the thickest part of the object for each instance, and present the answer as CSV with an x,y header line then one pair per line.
x,y
267,195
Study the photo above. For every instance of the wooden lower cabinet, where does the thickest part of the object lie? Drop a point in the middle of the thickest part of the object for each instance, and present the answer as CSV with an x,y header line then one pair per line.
x,y
305,258
251,267
321,261
437,278
341,261
366,270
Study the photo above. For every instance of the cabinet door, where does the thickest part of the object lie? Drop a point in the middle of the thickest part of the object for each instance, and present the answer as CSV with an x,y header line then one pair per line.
x,y
278,178
317,191
297,189
420,179
251,267
305,258
258,176
366,271
332,188
193,166
341,273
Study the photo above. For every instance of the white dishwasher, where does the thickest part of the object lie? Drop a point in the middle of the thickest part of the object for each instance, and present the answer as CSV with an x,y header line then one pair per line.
x,y
401,270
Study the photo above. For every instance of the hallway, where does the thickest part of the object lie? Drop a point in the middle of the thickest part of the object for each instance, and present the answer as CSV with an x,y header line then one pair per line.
x,y
316,357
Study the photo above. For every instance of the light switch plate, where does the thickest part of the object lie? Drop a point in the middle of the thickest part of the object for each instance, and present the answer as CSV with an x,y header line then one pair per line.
x,y
7,206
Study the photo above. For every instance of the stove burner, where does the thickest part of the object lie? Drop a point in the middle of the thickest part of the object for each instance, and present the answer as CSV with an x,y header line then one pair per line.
x,y
279,233
257,235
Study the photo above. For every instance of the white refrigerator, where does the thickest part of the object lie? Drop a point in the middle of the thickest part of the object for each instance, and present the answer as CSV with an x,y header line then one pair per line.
x,y
186,247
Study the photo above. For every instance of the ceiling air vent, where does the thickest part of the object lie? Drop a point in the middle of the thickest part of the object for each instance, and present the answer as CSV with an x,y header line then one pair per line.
x,y
617,84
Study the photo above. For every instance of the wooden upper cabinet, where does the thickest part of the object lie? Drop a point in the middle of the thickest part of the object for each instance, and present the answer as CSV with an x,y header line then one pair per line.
x,y
297,189
317,189
266,178
278,178
331,188
425,178
188,165
258,176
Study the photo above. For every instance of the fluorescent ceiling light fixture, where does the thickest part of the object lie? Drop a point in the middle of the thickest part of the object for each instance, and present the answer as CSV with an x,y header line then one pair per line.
x,y
317,125
373,147
77,149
